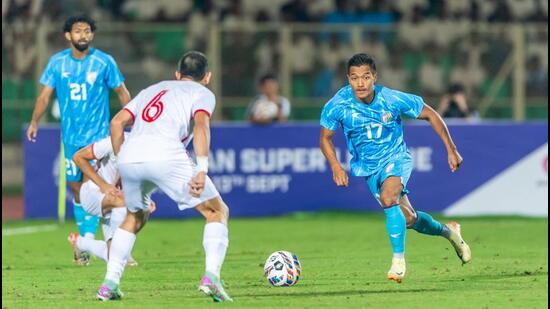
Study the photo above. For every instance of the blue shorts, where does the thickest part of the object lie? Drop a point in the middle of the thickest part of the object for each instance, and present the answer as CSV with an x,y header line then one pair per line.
x,y
399,166
72,172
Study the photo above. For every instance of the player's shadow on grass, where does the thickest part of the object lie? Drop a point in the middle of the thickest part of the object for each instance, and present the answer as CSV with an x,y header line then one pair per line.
x,y
502,275
299,293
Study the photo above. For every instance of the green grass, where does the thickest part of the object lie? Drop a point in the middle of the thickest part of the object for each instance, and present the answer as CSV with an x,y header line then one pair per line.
x,y
345,258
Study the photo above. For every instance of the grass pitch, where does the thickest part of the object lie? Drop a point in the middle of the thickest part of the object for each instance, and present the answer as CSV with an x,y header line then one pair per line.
x,y
344,257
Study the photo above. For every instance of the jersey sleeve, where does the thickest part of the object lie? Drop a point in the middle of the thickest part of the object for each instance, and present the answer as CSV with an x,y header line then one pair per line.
x,y
331,116
409,104
102,148
49,77
132,106
114,77
205,101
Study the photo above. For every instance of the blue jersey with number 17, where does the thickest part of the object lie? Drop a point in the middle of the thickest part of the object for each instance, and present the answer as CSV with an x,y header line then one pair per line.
x,y
82,89
373,132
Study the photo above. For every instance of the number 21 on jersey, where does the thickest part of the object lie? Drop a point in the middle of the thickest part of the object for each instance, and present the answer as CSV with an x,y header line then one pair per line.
x,y
78,91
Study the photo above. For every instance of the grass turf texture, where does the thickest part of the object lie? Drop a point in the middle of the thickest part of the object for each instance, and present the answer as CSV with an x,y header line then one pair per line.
x,y
344,257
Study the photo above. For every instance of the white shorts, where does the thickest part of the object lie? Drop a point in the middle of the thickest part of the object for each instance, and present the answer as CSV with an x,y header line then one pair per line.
x,y
91,198
140,180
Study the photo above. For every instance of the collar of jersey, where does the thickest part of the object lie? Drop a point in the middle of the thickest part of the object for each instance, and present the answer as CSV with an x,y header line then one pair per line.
x,y
92,50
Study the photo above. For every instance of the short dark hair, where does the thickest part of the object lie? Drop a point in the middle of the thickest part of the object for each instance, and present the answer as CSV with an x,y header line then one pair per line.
x,y
456,88
266,77
361,59
193,64
68,26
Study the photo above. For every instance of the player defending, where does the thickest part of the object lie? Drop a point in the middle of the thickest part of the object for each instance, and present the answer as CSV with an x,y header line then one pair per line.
x,y
153,156
81,77
370,116
100,197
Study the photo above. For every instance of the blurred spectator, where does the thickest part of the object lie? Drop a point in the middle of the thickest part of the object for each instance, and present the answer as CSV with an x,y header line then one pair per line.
x,y
392,74
414,32
295,11
521,9
344,13
537,77
453,104
540,13
375,47
380,12
269,106
502,12
431,74
468,72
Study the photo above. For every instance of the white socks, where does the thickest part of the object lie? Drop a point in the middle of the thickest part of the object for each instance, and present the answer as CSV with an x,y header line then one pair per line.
x,y
215,241
95,247
117,217
121,246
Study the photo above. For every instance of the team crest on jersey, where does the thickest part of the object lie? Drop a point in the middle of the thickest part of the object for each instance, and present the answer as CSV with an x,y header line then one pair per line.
x,y
386,117
91,77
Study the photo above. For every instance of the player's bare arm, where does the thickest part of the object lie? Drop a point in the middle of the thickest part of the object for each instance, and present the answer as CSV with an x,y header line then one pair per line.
x,y
437,123
201,144
40,106
339,175
121,120
82,159
123,94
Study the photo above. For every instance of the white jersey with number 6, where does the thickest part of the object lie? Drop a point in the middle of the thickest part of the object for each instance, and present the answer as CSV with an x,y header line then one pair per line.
x,y
162,115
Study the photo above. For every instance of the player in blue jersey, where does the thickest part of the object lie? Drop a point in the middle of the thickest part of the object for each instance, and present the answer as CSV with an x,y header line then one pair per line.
x,y
370,116
81,77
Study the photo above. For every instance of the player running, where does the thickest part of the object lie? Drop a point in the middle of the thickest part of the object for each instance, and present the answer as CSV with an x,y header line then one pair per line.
x,y
100,197
370,116
81,77
153,156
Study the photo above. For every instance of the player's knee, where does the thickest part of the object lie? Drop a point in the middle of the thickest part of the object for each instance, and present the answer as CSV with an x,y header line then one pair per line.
x,y
134,221
214,210
388,200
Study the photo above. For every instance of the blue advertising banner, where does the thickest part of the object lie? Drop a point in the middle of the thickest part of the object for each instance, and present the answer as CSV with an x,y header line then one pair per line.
x,y
273,170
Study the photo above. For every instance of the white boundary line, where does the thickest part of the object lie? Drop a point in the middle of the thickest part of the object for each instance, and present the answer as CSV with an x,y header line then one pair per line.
x,y
29,229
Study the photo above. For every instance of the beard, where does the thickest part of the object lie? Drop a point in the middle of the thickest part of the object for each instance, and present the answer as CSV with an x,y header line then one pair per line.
x,y
81,46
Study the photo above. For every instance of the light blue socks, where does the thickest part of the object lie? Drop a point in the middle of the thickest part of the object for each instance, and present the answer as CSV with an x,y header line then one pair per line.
x,y
86,223
425,224
396,226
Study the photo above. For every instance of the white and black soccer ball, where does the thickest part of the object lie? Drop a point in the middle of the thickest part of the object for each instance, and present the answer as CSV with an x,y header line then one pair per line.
x,y
282,268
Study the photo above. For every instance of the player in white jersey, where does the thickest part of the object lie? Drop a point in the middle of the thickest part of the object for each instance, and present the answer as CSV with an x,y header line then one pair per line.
x,y
153,156
100,196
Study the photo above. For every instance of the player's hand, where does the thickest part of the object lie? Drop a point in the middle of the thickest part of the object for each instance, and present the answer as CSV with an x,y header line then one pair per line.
x,y
109,189
340,177
455,159
152,207
31,132
196,185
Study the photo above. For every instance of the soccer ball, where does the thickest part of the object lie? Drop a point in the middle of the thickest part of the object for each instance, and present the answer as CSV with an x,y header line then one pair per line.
x,y
282,268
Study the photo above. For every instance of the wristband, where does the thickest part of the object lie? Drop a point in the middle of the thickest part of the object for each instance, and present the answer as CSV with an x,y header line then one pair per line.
x,y
202,164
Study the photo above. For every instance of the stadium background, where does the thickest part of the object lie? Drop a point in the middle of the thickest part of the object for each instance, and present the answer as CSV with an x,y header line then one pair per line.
x,y
497,49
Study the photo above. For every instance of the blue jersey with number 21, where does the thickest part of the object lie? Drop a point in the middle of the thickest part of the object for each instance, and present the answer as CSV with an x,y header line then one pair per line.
x,y
82,89
373,132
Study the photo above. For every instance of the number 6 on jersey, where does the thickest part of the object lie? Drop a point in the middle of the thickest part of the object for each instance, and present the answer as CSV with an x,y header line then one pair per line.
x,y
154,108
